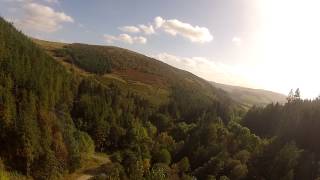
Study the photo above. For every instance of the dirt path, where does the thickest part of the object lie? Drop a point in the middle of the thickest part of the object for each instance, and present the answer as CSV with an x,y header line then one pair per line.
x,y
91,168
85,177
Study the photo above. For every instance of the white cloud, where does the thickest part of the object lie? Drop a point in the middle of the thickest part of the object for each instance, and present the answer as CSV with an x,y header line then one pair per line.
x,y
52,1
37,17
125,38
158,21
236,40
147,29
129,29
136,29
17,1
140,40
208,69
109,38
29,1
175,27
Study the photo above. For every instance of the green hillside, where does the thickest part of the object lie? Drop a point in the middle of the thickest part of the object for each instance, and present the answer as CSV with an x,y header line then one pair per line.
x,y
249,97
37,134
138,70
149,77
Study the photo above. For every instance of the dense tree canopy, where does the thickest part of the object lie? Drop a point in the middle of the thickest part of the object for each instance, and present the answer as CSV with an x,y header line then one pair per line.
x,y
91,60
37,133
297,123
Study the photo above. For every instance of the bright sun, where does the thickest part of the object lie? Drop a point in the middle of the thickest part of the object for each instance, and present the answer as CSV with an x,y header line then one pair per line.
x,y
288,39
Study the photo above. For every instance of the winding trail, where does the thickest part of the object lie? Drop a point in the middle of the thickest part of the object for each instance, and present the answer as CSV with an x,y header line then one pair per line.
x,y
91,169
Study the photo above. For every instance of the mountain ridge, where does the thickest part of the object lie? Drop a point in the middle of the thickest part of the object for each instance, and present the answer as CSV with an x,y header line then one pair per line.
x,y
251,96
247,97
134,68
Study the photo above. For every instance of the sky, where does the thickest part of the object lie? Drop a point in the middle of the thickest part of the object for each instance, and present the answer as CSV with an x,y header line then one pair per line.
x,y
264,44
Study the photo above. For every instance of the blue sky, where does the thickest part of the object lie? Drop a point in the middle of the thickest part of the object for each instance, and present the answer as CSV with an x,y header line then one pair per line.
x,y
228,41
104,17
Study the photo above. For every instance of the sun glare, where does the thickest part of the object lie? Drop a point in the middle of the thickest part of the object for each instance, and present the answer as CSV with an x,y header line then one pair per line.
x,y
288,38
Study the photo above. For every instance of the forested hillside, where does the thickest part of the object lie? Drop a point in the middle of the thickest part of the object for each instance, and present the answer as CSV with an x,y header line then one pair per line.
x,y
37,134
61,102
146,76
297,122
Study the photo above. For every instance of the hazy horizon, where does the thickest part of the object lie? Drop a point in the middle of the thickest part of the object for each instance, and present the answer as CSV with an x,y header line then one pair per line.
x,y
269,45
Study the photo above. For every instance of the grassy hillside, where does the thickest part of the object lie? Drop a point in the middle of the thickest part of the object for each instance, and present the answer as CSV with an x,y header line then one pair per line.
x,y
249,97
149,77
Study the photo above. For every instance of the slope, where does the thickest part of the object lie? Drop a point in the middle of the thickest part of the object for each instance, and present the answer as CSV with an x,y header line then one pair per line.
x,y
37,134
149,77
249,97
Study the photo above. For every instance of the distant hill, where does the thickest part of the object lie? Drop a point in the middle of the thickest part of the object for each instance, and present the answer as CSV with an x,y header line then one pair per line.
x,y
249,97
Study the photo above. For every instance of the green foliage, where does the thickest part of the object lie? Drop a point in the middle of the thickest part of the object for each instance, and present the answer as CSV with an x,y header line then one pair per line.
x,y
163,156
162,122
86,144
276,161
35,94
91,60
184,165
210,177
286,160
116,157
157,173
294,127
239,171
113,171
3,173
224,178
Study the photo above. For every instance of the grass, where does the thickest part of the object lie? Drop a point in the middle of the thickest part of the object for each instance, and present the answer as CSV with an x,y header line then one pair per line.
x,y
114,77
48,45
156,95
5,175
